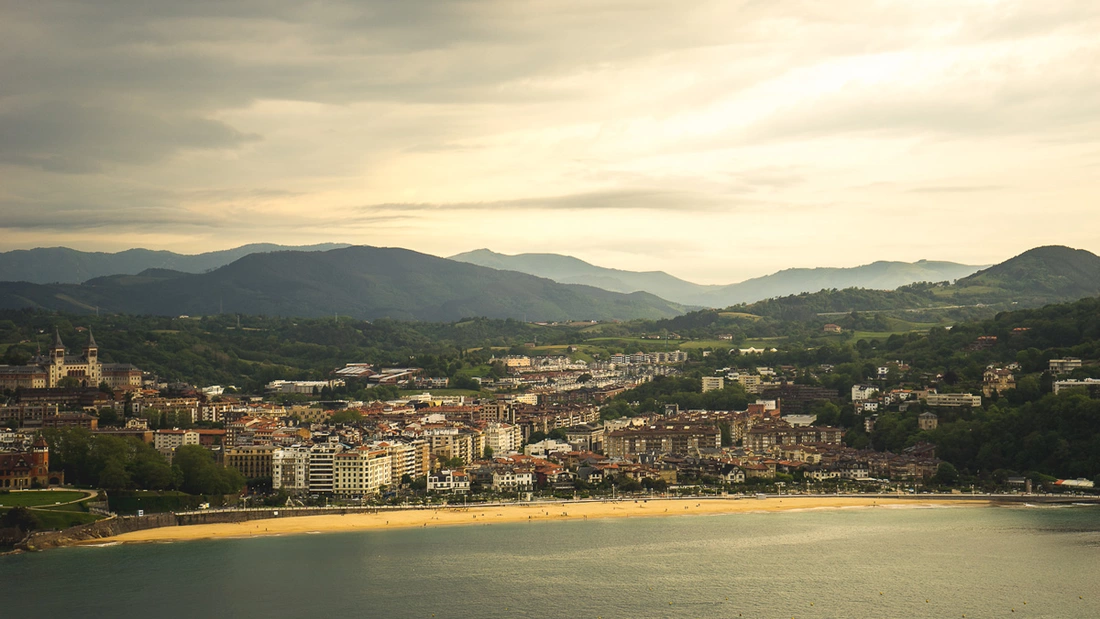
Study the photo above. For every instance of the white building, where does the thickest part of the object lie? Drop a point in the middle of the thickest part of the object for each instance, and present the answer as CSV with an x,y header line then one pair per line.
x,y
290,469
321,466
713,383
953,399
503,438
168,440
863,392
547,447
507,481
360,472
449,482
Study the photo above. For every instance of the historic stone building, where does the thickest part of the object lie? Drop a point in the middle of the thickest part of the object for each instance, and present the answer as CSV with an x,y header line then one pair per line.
x,y
26,469
49,370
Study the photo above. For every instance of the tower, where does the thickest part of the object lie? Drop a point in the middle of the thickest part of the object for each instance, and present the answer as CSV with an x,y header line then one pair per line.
x,y
57,360
41,452
57,351
91,351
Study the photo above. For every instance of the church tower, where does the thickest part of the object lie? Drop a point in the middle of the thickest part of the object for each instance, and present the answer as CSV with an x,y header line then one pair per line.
x,y
57,359
91,356
91,351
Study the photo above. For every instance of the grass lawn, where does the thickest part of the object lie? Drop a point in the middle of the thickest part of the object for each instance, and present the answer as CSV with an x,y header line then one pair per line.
x,y
739,315
716,344
48,519
38,498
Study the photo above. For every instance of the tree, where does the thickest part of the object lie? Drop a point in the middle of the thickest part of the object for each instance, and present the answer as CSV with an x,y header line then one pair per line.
x,y
69,382
114,475
201,475
19,518
347,416
946,474
488,455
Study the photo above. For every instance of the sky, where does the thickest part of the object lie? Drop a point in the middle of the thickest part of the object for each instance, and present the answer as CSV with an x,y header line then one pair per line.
x,y
713,140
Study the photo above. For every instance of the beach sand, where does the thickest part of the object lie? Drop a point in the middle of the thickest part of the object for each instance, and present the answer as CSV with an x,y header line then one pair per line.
x,y
512,513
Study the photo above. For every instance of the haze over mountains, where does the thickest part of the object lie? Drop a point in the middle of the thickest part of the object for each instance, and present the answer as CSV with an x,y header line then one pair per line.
x,y
47,265
370,282
880,275
360,282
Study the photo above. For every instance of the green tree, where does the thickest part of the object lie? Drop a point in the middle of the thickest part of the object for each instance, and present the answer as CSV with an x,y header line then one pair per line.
x,y
946,474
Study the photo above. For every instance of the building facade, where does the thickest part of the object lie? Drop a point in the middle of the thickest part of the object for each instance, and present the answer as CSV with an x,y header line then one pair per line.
x,y
49,370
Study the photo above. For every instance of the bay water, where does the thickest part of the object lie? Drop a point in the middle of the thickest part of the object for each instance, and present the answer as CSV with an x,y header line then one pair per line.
x,y
864,562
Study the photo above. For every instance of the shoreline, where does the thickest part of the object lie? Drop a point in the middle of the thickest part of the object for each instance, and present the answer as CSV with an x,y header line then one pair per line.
x,y
486,515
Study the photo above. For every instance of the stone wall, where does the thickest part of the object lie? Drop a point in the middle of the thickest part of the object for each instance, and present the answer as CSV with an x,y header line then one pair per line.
x,y
41,540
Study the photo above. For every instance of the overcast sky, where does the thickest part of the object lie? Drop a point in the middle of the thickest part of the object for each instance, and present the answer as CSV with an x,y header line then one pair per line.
x,y
713,140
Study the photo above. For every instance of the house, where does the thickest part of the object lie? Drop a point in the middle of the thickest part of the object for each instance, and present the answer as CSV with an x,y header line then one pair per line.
x,y
449,482
731,474
927,421
997,380
831,328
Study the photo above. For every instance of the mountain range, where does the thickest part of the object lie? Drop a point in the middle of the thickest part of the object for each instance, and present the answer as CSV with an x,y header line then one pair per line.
x,y
372,282
45,265
360,282
880,275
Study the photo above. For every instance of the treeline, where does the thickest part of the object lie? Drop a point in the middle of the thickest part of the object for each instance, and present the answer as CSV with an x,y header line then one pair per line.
x,y
1054,436
115,463
652,397
215,350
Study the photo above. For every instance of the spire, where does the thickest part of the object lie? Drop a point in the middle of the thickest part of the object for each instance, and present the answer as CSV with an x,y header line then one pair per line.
x,y
57,339
91,340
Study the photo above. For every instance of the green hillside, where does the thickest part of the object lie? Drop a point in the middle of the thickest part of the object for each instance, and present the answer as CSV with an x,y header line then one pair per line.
x,y
360,282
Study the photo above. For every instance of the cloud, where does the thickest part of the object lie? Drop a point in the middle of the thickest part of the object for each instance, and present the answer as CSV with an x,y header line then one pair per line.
x,y
241,120
62,137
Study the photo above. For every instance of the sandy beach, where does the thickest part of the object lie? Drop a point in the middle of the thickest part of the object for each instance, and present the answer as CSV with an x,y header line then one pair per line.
x,y
522,512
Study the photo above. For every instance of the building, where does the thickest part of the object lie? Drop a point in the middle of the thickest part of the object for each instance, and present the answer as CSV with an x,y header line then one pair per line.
x,y
19,415
502,438
360,472
449,482
666,438
863,392
253,461
832,328
1064,366
713,383
953,400
1091,385
290,469
50,370
928,421
997,380
26,469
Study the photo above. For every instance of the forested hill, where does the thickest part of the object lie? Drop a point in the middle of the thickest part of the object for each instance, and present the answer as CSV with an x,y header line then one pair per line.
x,y
1032,279
360,282
881,275
44,265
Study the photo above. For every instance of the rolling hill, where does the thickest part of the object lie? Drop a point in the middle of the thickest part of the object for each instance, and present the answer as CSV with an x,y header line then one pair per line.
x,y
360,282
566,269
45,265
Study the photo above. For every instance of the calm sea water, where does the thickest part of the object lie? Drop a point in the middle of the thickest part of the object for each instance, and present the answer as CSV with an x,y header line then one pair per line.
x,y
896,563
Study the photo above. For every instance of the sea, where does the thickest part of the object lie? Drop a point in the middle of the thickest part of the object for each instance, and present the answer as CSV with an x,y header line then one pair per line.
x,y
888,562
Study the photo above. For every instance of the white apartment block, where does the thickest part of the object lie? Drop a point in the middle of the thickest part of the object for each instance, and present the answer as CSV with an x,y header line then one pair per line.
x,y
290,469
503,438
953,399
169,440
513,482
360,472
713,383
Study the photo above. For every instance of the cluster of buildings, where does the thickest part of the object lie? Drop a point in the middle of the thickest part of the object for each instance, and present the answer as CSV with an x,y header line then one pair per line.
x,y
57,368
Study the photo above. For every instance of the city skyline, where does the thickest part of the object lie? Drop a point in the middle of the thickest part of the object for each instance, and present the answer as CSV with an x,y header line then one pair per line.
x,y
716,142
